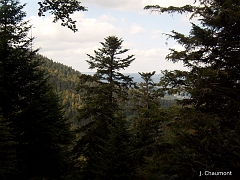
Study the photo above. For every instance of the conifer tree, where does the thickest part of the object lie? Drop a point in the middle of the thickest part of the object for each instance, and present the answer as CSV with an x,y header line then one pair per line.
x,y
147,91
27,101
211,52
7,150
104,139
207,127
146,122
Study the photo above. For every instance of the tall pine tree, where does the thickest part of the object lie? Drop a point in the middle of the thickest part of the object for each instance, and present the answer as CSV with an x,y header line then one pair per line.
x,y
104,139
27,101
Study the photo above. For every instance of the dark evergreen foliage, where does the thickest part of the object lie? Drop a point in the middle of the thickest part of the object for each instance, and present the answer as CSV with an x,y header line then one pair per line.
x,y
146,123
103,142
212,56
205,134
28,103
7,150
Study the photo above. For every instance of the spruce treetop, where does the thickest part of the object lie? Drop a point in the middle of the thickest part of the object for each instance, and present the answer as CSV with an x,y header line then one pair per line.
x,y
108,62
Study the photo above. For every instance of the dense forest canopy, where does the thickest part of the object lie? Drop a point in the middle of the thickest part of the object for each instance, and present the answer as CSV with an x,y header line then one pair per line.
x,y
58,123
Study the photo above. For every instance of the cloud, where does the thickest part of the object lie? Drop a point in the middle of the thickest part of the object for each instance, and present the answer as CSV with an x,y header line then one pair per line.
x,y
106,18
144,40
152,60
136,29
156,33
90,30
61,44
178,47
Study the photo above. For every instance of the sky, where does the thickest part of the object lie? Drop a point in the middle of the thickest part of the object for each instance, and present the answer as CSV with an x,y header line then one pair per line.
x,y
142,33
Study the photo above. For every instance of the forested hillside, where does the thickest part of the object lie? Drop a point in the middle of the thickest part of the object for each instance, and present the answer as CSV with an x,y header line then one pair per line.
x,y
64,80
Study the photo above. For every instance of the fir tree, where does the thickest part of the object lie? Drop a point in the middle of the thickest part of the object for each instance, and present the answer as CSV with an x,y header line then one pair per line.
x,y
206,129
212,55
104,139
146,126
27,101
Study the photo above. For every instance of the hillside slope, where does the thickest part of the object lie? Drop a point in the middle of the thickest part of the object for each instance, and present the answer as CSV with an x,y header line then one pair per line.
x,y
64,80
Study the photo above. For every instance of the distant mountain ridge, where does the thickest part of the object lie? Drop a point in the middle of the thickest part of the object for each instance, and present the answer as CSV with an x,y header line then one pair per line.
x,y
136,77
